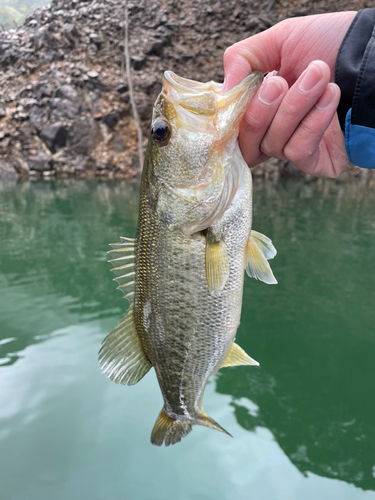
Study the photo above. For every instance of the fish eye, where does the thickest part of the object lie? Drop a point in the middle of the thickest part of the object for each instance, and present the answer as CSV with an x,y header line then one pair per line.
x,y
160,132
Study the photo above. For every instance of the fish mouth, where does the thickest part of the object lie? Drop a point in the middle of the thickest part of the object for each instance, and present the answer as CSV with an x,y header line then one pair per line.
x,y
184,85
206,99
180,84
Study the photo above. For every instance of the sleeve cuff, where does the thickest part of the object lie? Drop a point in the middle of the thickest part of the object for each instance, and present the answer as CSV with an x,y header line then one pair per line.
x,y
355,70
359,143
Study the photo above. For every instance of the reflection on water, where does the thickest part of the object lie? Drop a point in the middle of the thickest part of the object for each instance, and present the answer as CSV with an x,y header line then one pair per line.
x,y
61,422
54,238
314,332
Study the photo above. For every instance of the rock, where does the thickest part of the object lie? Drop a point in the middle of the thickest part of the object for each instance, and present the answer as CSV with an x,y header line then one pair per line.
x,y
94,38
54,135
118,143
42,38
4,144
71,33
138,62
63,108
92,74
42,90
9,57
123,87
145,111
39,162
21,167
67,92
155,48
3,109
92,83
7,171
26,131
84,136
111,120
38,117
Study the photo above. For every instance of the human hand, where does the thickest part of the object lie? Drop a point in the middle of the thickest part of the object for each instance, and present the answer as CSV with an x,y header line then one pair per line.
x,y
298,123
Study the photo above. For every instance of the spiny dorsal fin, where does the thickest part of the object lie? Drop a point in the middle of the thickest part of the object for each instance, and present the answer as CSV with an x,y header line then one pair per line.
x,y
121,356
256,263
237,356
123,265
217,264
265,244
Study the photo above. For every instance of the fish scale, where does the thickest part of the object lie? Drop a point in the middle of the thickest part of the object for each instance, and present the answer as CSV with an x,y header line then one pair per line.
x,y
193,241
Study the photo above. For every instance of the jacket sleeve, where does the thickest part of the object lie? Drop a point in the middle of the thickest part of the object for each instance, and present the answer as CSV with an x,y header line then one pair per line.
x,y
355,75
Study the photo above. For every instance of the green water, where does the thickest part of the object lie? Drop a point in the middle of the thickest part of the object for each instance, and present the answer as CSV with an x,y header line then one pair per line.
x,y
303,422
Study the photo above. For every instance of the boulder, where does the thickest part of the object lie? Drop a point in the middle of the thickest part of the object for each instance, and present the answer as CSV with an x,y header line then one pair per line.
x,y
54,135
40,162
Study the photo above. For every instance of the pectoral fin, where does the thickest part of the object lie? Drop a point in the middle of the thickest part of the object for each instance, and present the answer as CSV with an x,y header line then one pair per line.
x,y
258,249
121,356
265,244
237,356
217,264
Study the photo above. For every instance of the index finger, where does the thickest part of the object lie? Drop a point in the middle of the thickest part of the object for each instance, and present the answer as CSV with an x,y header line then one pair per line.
x,y
260,52
236,68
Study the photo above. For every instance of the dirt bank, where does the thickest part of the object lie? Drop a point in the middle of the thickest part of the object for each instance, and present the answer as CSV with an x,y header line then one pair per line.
x,y
64,102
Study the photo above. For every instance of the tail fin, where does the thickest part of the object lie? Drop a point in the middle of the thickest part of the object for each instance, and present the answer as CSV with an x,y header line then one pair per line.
x,y
207,421
168,430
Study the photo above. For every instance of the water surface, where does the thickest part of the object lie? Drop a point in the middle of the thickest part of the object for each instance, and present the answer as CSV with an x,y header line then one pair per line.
x,y
303,422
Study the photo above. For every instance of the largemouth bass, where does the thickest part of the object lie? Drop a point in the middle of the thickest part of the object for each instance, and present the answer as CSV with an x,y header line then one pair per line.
x,y
183,273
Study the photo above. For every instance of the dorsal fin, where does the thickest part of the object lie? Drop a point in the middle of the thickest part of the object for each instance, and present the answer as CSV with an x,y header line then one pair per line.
x,y
121,356
123,265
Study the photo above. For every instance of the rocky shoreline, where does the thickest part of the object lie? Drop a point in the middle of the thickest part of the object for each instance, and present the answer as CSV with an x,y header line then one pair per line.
x,y
64,100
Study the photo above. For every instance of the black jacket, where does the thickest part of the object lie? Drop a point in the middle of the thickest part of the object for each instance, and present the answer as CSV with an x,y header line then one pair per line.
x,y
355,75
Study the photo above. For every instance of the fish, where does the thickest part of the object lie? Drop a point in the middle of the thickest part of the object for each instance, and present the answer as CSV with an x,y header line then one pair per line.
x,y
183,273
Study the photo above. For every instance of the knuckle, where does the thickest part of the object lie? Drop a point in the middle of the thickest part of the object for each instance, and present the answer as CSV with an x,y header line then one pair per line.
x,y
266,147
292,108
253,122
296,154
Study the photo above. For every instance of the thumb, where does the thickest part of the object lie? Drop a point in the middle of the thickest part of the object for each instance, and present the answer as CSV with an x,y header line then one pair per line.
x,y
257,52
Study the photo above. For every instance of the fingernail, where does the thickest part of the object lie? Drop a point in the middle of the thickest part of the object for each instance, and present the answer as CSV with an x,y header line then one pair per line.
x,y
327,97
271,73
311,77
270,91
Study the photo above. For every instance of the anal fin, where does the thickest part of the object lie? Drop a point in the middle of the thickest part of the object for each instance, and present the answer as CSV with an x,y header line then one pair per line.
x,y
121,356
237,357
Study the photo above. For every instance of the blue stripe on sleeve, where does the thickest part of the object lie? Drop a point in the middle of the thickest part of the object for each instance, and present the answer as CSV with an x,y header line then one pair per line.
x,y
359,143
